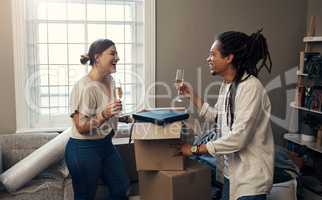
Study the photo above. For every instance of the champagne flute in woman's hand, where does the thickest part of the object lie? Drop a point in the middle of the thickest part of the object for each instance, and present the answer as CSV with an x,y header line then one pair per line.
x,y
118,91
179,82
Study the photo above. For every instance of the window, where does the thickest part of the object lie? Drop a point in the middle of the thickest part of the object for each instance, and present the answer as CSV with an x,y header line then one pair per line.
x,y
56,33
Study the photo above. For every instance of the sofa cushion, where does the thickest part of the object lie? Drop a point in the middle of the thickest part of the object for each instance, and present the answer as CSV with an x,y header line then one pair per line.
x,y
32,165
38,189
15,147
284,191
58,169
123,131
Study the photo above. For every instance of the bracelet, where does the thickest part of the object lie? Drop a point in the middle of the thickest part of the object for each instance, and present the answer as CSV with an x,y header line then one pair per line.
x,y
102,113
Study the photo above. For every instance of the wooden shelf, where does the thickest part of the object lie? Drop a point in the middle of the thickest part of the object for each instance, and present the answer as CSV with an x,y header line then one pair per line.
x,y
300,73
312,39
296,138
293,105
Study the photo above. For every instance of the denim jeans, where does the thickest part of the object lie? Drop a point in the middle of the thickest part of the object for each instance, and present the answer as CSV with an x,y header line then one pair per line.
x,y
89,160
255,197
225,193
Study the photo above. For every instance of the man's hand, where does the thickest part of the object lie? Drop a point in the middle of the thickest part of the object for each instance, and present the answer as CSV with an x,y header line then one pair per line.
x,y
185,150
185,89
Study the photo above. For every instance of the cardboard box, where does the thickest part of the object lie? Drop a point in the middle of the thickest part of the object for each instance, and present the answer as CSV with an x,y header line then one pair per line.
x,y
149,131
158,155
191,184
156,146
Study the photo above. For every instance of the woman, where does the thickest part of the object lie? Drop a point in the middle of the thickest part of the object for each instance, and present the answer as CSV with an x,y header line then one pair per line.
x,y
242,113
90,154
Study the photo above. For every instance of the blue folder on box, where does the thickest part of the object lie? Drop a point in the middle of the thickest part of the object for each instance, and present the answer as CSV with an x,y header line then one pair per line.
x,y
160,117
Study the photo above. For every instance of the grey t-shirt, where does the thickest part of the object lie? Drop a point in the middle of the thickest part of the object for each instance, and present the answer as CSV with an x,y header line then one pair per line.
x,y
89,98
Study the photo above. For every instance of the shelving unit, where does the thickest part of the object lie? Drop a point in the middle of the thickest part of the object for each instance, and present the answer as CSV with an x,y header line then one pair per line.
x,y
312,39
297,139
300,73
302,79
293,105
309,120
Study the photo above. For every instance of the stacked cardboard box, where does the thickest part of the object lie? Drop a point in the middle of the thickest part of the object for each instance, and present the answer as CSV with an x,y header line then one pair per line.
x,y
163,174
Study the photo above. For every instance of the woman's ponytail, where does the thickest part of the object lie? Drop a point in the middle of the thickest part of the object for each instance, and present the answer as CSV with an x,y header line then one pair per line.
x,y
84,59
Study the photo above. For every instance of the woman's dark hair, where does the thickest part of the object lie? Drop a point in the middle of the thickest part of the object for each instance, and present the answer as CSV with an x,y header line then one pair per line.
x,y
97,47
248,51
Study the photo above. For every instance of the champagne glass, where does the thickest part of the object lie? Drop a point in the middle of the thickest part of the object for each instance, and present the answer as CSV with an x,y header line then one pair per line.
x,y
179,82
118,91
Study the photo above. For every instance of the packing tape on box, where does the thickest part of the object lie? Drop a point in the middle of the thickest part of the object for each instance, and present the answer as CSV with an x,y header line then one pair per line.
x,y
29,167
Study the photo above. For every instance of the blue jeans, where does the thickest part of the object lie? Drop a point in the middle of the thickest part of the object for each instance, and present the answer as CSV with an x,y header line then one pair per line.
x,y
89,160
225,194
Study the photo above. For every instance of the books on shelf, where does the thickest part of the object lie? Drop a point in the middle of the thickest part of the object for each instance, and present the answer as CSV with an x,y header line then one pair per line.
x,y
298,139
312,39
295,105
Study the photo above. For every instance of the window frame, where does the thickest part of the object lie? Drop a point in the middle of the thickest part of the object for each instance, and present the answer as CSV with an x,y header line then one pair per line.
x,y
20,49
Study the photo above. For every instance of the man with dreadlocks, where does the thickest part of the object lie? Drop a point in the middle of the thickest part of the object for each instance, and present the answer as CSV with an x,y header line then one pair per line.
x,y
242,113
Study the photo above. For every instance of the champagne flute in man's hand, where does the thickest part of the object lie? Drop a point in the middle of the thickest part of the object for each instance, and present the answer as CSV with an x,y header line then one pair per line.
x,y
179,82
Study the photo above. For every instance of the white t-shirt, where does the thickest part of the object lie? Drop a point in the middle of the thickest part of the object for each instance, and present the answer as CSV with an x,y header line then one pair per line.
x,y
89,98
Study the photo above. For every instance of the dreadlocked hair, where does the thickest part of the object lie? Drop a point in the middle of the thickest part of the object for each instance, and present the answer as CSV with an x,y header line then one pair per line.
x,y
248,51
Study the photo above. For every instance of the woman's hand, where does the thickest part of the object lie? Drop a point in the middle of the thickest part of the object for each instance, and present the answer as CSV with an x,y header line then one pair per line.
x,y
112,109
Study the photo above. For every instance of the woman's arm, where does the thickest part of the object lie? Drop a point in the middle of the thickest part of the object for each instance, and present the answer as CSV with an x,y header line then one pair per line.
x,y
85,125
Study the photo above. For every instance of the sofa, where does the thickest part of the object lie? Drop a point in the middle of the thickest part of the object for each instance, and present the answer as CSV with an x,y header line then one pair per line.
x,y
54,183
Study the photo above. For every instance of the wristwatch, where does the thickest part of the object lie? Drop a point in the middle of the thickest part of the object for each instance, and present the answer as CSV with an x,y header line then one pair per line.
x,y
194,149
